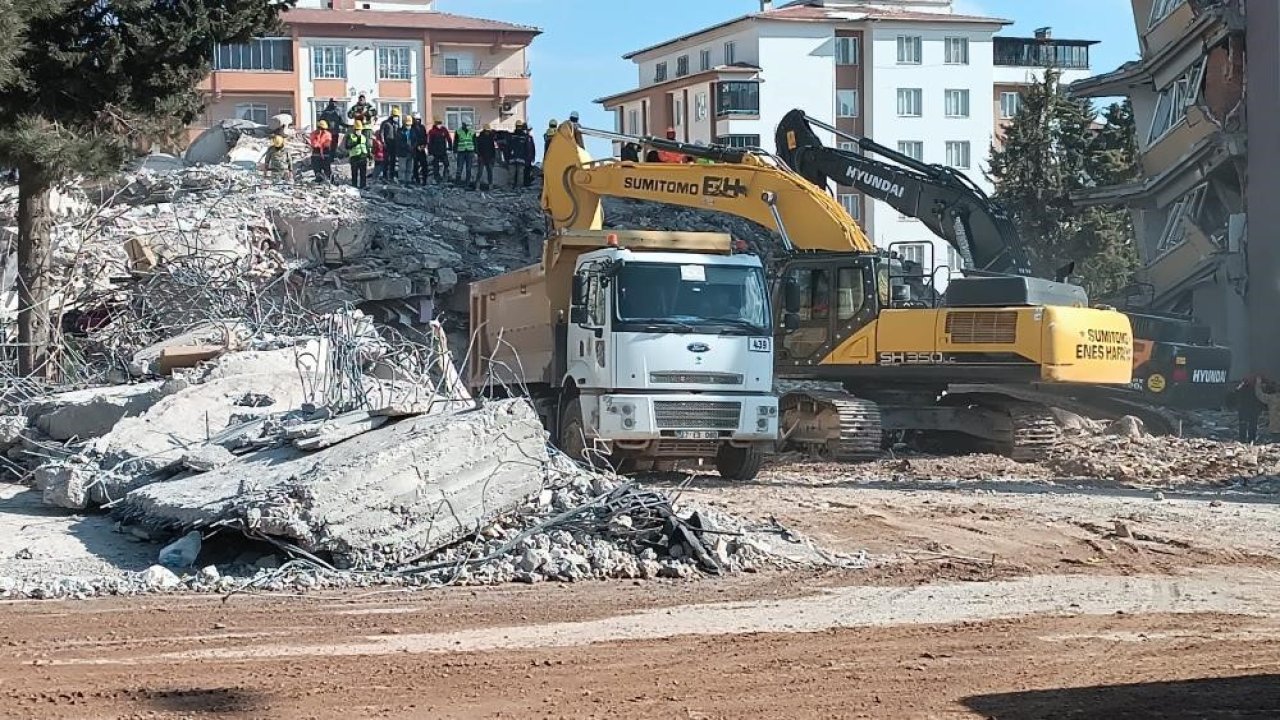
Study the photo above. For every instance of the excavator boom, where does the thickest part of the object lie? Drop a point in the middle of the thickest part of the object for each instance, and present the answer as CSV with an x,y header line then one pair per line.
x,y
807,218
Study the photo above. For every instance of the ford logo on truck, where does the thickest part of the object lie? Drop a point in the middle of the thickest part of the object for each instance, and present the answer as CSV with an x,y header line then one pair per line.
x,y
698,347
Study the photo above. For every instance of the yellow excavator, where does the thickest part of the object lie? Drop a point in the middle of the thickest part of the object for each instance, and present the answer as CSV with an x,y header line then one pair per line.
x,y
864,344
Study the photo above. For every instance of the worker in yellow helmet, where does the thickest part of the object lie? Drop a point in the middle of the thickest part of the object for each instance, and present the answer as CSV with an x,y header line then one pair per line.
x,y
275,163
550,133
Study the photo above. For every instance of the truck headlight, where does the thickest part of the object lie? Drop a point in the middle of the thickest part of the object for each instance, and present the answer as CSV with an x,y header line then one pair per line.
x,y
628,423
628,409
762,423
767,410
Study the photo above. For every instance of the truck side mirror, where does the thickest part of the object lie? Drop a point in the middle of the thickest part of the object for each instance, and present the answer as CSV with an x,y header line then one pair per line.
x,y
791,322
578,314
790,296
578,296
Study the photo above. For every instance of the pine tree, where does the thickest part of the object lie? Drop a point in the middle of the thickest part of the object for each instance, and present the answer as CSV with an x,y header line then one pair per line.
x,y
87,79
1050,149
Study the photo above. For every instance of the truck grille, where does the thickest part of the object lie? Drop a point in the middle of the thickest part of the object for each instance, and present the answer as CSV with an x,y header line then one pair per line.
x,y
671,415
988,328
698,378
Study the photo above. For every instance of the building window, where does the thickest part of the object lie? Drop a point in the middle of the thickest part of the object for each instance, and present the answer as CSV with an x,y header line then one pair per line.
x,y
1161,9
704,60
909,52
700,106
266,54
1186,210
954,261
405,108
957,51
455,116
913,149
846,51
910,102
740,141
1010,103
737,97
460,65
850,147
958,154
1027,52
394,63
318,106
957,103
682,66
847,103
633,122
329,62
852,204
730,53
660,72
619,121
912,252
1171,106
677,111
256,112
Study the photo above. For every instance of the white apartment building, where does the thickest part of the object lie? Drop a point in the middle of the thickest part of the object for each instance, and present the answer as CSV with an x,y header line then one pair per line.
x,y
910,74
1021,61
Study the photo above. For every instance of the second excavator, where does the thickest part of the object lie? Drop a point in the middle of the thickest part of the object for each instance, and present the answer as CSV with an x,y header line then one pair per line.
x,y
859,348
1175,364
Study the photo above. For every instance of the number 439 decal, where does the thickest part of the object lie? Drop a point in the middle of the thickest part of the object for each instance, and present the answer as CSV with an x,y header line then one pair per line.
x,y
761,344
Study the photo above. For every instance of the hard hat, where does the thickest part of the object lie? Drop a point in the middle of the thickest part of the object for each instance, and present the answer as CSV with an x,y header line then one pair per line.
x,y
358,125
417,115
277,141
323,125
574,116
671,131
395,111
437,121
553,123
519,123
488,126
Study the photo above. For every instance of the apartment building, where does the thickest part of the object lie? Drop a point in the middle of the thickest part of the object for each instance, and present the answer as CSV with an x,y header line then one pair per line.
x,y
1020,62
911,74
399,53
1188,209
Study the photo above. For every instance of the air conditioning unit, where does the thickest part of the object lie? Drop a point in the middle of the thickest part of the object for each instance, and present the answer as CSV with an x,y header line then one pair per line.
x,y
506,107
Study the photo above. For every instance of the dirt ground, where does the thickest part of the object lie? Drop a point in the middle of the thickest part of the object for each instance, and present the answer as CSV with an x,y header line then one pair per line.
x,y
986,598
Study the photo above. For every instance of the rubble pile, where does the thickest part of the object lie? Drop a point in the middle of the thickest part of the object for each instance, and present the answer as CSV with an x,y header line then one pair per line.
x,y
1124,452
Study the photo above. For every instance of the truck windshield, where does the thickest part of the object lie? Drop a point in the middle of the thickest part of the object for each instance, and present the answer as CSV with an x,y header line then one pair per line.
x,y
710,298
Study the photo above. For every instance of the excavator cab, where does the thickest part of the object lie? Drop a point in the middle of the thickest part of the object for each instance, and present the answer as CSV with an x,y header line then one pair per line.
x,y
834,296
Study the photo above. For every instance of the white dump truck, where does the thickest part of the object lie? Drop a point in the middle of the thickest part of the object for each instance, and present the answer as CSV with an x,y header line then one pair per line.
x,y
643,347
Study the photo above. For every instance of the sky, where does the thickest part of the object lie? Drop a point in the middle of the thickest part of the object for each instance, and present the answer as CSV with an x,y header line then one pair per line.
x,y
579,55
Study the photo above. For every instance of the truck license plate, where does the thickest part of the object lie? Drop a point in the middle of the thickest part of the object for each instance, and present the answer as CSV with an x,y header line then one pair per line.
x,y
697,434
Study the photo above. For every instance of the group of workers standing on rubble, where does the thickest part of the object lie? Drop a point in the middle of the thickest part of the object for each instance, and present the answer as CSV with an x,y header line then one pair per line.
x,y
403,149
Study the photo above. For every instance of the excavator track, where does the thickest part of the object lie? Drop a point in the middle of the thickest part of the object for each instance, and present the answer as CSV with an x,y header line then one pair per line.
x,y
1035,432
825,420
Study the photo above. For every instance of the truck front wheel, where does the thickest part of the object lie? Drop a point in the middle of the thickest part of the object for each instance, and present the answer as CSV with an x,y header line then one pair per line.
x,y
573,439
739,463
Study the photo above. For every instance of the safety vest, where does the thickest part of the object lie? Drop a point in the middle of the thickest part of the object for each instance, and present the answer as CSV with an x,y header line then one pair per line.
x,y
464,140
357,145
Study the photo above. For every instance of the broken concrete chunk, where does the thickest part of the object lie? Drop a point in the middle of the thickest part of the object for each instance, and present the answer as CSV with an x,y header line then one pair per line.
x,y
381,499
322,239
84,414
11,427
182,553
207,457
160,578
229,334
64,485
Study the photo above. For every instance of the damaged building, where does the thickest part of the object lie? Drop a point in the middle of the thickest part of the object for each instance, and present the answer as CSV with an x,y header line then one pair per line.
x,y
1188,206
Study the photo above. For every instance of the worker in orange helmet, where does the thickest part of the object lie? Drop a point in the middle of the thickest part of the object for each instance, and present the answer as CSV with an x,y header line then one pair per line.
x,y
668,156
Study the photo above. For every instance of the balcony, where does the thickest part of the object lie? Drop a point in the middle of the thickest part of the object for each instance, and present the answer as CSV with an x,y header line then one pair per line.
x,y
1182,260
249,81
1168,29
478,81
1170,148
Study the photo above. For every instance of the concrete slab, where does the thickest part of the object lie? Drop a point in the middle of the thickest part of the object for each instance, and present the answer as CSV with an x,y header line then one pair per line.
x,y
91,413
382,499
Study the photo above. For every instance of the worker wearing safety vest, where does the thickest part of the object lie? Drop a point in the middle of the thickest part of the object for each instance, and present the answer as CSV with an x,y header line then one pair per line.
x,y
358,154
464,146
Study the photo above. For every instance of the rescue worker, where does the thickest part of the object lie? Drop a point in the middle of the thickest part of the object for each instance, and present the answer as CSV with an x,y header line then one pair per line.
x,y
276,164
321,142
419,150
464,148
577,129
404,150
387,131
546,136
520,149
379,155
1269,395
631,152
439,143
667,156
363,112
333,116
358,154
1248,405
487,154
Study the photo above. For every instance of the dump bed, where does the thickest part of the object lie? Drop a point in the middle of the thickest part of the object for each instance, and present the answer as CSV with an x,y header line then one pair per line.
x,y
512,331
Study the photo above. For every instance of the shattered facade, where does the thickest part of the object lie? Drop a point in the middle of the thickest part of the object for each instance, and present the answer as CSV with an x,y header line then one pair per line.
x,y
1188,208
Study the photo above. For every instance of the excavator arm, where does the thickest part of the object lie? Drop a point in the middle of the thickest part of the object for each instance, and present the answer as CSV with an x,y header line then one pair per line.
x,y
738,182
947,202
